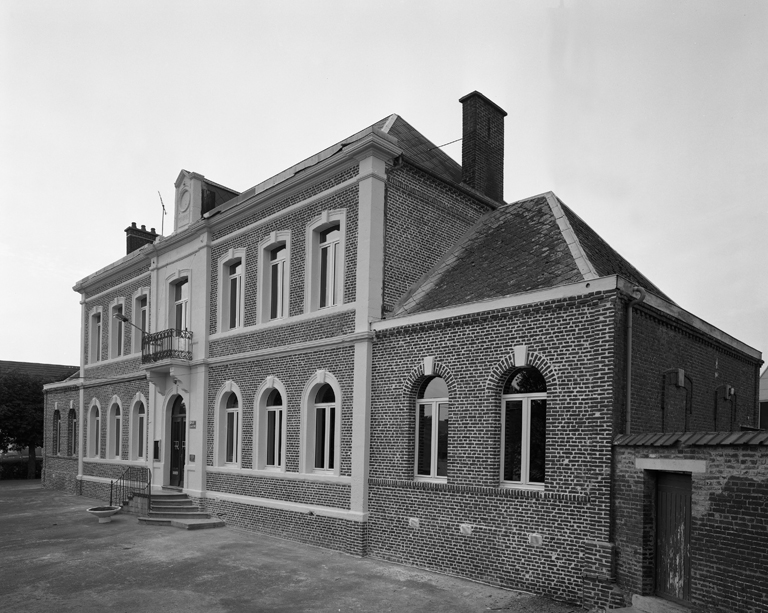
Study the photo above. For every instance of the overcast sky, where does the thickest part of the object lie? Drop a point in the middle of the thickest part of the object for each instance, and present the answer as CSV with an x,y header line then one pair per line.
x,y
649,119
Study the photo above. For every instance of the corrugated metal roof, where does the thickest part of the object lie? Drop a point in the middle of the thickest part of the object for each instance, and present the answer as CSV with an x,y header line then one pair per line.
x,y
686,439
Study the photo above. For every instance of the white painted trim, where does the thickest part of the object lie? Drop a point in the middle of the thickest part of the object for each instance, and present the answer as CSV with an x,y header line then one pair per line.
x,y
264,292
671,465
136,318
578,254
222,303
553,293
220,425
312,259
289,506
278,474
307,432
259,447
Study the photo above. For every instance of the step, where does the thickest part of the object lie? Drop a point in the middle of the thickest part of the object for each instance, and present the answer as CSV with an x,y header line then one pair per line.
x,y
186,524
179,514
167,504
651,604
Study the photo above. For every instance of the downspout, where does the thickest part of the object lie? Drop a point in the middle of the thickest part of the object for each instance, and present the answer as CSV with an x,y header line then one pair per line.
x,y
635,290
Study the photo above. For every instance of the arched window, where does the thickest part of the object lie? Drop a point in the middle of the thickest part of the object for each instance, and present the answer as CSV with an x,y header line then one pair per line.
x,y
72,433
524,428
325,428
432,429
56,449
274,444
94,432
232,425
114,430
139,429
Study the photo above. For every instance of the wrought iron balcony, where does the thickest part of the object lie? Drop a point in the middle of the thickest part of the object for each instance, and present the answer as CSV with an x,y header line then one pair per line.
x,y
166,345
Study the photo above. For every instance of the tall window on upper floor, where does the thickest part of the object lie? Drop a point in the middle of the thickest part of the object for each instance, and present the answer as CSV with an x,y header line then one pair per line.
x,y
524,428
277,259
56,447
325,261
72,433
329,263
117,329
94,337
140,320
432,429
181,305
234,294
325,428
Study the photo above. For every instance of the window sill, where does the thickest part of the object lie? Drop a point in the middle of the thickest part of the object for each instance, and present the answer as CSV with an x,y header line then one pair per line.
x,y
422,479
113,461
535,487
122,358
275,323
271,473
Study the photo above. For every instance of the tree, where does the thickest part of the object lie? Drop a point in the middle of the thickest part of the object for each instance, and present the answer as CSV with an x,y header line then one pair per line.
x,y
21,414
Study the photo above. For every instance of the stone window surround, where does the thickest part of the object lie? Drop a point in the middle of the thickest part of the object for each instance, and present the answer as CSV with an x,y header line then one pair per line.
x,y
226,260
133,438
94,433
275,239
114,451
220,425
312,268
142,292
114,324
260,424
94,346
307,442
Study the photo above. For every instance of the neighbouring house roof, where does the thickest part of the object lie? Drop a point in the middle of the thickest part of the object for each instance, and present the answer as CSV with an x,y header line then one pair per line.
x,y
48,373
528,245
669,439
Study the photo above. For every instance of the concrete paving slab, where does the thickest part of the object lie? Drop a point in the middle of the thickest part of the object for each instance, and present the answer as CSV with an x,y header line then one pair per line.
x,y
56,557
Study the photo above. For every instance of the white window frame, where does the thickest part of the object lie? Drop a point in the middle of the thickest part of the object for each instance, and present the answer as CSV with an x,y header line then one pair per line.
x,y
116,329
266,246
220,439
171,281
307,456
313,259
435,404
95,331
225,261
138,430
261,424
526,399
115,429
94,429
136,313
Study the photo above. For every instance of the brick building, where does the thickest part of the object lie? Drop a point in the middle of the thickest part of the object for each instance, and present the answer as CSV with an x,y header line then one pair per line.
x,y
373,352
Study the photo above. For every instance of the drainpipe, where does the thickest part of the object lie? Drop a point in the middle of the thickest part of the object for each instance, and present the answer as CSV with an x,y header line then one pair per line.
x,y
641,296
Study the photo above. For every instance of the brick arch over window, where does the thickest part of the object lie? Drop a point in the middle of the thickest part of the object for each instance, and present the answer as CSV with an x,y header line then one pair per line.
x,y
501,370
417,376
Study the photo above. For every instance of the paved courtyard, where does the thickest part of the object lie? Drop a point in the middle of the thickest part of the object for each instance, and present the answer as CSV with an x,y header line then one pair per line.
x,y
56,557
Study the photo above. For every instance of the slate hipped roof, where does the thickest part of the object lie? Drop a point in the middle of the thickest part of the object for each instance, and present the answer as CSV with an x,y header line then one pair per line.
x,y
524,246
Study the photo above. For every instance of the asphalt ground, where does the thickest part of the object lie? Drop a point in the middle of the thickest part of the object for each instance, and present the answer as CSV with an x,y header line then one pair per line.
x,y
55,557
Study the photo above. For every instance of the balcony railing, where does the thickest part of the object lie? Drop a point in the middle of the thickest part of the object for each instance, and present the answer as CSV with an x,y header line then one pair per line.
x,y
166,345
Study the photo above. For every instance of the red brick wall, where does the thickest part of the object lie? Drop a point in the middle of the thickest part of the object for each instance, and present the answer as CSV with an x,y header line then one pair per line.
x,y
729,534
661,344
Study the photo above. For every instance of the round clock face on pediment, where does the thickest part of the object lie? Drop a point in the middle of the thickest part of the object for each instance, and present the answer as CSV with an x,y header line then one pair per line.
x,y
184,201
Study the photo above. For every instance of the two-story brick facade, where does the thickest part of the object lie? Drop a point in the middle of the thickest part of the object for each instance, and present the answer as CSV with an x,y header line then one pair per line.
x,y
373,352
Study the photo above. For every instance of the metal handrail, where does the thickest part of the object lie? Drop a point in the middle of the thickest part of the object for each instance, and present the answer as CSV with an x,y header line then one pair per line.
x,y
134,480
166,344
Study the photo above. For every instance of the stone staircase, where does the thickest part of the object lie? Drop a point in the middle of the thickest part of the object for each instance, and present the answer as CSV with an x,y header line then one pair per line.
x,y
176,509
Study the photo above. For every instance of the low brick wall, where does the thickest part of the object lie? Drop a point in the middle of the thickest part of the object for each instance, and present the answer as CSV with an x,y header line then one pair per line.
x,y
729,525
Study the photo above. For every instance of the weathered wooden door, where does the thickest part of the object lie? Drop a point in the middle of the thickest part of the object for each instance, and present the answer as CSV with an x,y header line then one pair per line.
x,y
673,536
178,442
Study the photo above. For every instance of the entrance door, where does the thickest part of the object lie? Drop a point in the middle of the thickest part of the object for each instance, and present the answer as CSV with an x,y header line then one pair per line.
x,y
178,442
673,536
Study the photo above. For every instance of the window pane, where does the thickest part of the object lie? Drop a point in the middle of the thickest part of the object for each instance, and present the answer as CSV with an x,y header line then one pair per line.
x,y
320,438
230,437
433,388
234,269
538,440
513,439
424,442
331,433
330,235
442,440
274,399
279,436
323,277
325,395
277,253
234,301
270,438
274,292
140,452
117,436
525,381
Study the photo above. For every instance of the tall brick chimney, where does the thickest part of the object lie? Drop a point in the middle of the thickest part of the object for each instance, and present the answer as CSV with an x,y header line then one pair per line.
x,y
136,238
482,147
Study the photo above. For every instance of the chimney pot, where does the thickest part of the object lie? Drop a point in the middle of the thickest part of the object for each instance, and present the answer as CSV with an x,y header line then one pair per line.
x,y
482,147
